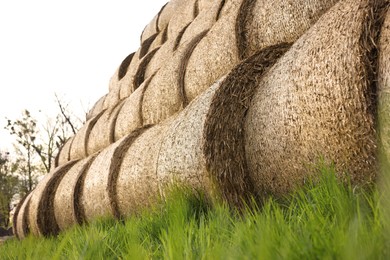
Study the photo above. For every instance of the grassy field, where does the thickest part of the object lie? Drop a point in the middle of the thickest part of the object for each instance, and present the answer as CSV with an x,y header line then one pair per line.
x,y
320,221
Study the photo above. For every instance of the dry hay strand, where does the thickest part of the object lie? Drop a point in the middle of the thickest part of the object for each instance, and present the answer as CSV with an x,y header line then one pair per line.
x,y
96,198
136,184
215,55
223,134
264,23
41,215
130,115
20,221
78,149
97,108
165,94
63,155
315,104
66,199
181,159
204,21
102,132
384,89
185,12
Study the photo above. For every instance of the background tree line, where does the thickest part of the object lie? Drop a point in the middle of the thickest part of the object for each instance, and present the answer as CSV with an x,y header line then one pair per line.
x,y
35,148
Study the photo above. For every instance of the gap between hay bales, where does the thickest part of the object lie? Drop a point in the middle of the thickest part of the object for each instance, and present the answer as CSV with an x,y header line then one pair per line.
x,y
140,74
125,65
245,10
224,147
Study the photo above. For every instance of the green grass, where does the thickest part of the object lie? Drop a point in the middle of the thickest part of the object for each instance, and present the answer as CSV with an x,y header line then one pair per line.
x,y
326,220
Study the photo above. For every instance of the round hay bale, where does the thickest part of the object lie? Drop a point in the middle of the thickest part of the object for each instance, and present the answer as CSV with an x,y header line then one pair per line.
x,y
150,29
41,215
224,147
181,158
112,98
266,23
165,94
126,82
160,39
97,108
121,71
185,12
315,105
102,132
66,199
130,114
78,149
97,190
20,221
384,89
215,55
64,154
136,185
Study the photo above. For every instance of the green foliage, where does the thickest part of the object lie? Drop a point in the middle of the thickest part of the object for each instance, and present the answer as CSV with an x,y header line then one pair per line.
x,y
323,220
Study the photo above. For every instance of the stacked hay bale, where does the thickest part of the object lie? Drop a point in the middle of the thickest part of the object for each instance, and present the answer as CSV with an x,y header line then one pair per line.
x,y
323,105
237,110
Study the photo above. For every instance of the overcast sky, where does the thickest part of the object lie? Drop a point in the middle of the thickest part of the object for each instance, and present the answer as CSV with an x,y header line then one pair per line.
x,y
71,48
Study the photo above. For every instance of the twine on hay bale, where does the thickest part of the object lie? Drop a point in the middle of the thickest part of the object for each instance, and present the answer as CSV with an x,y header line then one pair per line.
x,y
265,23
130,115
66,198
78,149
102,133
223,132
165,95
41,216
136,183
322,105
20,221
96,196
181,158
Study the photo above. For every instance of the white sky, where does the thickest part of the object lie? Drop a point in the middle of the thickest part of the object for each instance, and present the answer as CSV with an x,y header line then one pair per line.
x,y
68,47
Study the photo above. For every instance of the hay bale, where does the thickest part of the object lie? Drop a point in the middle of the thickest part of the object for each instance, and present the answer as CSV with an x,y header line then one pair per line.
x,y
316,102
102,132
130,114
215,55
185,12
181,158
97,108
265,23
150,29
121,71
66,199
78,149
384,88
224,147
136,183
126,82
41,215
165,93
20,221
97,187
64,153
160,39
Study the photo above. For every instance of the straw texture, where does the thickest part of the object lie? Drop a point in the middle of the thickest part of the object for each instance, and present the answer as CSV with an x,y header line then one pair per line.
x,y
224,129
126,83
20,223
102,132
384,88
185,12
165,93
42,220
97,108
321,100
64,153
136,184
266,23
66,199
181,158
78,149
215,55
